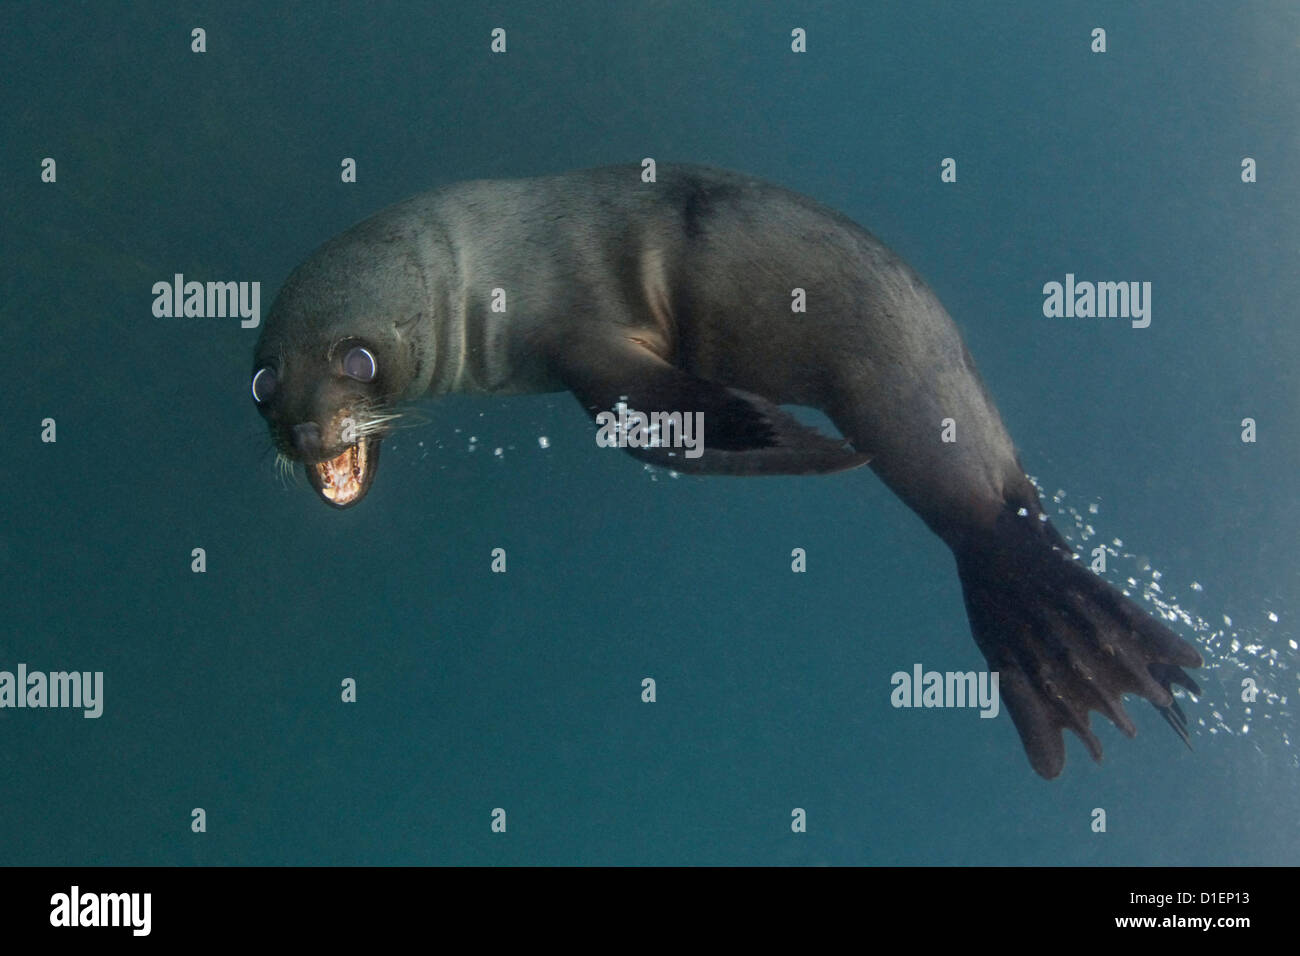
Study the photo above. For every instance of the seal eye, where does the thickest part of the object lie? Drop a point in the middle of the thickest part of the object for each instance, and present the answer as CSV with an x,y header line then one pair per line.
x,y
263,385
360,364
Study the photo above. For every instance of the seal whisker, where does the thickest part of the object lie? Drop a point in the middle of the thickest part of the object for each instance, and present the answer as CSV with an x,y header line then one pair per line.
x,y
410,417
285,470
376,421
266,444
367,422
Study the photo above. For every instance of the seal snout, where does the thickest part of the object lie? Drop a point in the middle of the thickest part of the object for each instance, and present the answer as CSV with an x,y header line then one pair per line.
x,y
340,457
307,441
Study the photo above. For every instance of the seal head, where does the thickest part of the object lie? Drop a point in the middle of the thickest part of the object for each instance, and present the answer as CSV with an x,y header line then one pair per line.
x,y
337,351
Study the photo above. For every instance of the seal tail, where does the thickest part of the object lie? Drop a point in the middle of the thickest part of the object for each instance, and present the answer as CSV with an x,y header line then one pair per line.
x,y
1064,641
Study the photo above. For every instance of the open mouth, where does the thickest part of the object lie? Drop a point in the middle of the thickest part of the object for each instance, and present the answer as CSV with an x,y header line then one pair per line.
x,y
343,480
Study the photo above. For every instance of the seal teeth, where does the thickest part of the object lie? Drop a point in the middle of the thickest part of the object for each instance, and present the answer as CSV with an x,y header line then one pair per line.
x,y
343,479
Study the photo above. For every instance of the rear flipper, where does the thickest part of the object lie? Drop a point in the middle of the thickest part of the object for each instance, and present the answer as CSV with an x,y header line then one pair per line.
x,y
1064,641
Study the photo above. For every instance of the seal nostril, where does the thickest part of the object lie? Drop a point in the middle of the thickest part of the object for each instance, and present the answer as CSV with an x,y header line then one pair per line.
x,y
306,438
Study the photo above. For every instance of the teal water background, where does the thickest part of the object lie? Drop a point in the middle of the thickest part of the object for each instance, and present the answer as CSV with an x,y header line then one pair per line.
x,y
522,690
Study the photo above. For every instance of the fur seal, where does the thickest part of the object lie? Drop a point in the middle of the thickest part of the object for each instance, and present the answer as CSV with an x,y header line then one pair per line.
x,y
676,295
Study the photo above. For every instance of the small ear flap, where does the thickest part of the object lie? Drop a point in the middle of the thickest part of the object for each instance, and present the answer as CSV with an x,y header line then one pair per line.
x,y
404,325
740,433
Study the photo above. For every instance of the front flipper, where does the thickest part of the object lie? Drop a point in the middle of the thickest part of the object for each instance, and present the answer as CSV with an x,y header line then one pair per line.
x,y
741,433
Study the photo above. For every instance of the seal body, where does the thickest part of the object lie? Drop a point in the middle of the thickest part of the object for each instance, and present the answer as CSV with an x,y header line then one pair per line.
x,y
676,295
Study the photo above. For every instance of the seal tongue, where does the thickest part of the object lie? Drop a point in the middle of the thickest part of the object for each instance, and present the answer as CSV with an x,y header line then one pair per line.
x,y
344,479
